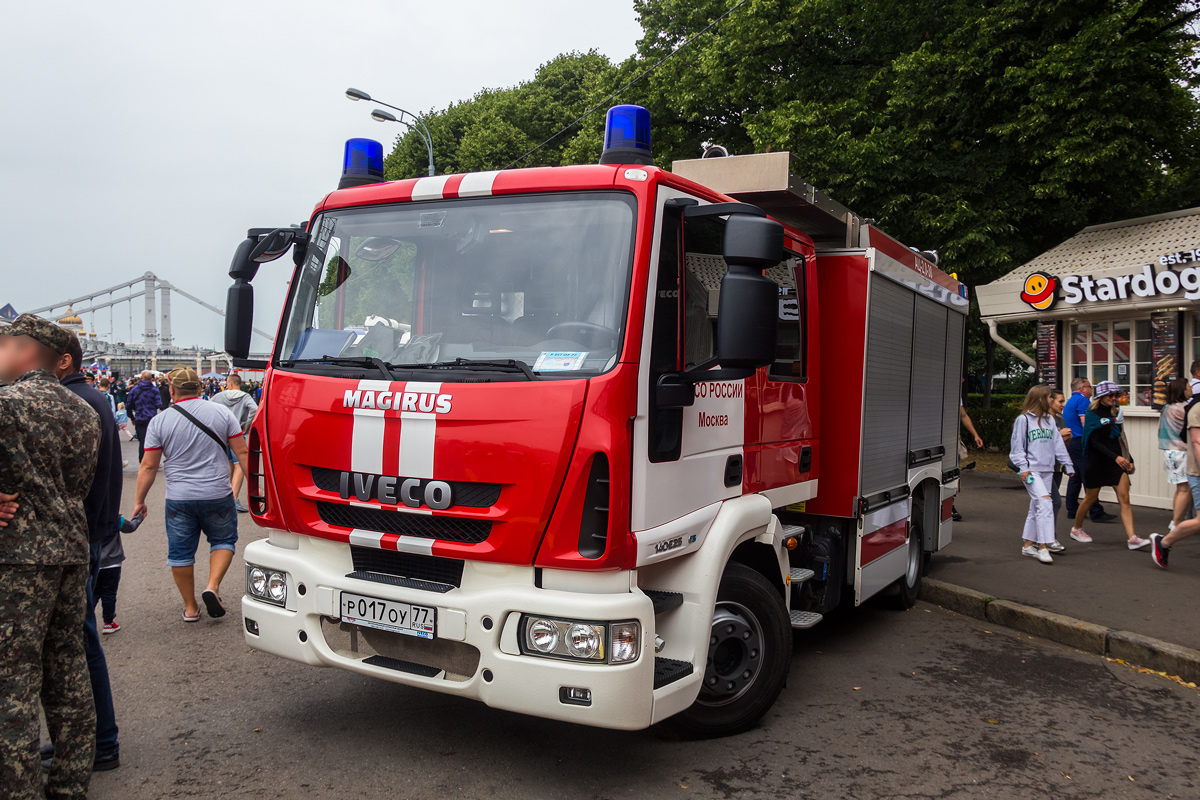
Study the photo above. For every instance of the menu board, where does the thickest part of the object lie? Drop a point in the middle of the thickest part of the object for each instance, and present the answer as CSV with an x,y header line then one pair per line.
x,y
1164,353
1047,354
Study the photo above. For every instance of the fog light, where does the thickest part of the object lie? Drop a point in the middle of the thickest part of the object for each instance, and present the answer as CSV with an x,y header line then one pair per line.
x,y
543,635
583,641
623,646
258,582
575,696
277,587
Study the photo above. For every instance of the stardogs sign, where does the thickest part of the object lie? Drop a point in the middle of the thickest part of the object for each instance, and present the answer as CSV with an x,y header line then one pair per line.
x,y
1041,291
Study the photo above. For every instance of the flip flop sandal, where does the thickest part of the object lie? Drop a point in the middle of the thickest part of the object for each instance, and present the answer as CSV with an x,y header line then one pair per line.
x,y
213,604
186,618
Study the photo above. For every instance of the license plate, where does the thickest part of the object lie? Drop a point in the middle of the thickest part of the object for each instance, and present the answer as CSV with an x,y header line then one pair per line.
x,y
389,615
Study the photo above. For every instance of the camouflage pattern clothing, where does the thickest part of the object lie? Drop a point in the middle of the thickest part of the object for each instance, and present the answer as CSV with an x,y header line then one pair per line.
x,y
48,450
49,440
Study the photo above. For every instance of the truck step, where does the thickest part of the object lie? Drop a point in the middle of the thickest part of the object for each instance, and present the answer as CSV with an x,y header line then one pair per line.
x,y
791,530
669,670
402,666
800,575
804,620
663,601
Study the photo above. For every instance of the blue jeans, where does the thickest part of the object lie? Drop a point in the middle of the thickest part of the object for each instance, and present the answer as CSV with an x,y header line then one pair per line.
x,y
106,718
186,519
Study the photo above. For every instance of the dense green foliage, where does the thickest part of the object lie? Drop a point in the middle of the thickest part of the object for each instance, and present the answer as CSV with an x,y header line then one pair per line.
x,y
989,131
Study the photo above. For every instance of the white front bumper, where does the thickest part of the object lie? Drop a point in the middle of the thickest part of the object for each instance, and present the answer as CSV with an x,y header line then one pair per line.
x,y
621,695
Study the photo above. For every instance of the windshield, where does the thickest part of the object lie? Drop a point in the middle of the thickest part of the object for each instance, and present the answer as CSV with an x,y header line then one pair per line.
x,y
539,279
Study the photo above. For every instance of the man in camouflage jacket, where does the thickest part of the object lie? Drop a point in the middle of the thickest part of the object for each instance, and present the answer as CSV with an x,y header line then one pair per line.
x,y
48,449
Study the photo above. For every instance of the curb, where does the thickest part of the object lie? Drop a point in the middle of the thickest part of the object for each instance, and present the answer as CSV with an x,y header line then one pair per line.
x,y
1135,648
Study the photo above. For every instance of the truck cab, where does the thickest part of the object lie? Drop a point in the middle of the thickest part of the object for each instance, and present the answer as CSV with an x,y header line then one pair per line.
x,y
550,438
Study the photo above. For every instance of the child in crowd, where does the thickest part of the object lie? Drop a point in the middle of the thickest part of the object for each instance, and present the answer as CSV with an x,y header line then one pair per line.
x,y
1035,448
123,421
112,553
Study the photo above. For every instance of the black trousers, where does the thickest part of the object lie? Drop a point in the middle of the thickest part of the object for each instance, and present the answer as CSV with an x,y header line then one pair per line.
x,y
107,581
1075,484
140,427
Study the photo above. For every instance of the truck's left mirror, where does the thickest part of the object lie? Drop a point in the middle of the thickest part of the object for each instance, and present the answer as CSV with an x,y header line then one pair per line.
x,y
239,319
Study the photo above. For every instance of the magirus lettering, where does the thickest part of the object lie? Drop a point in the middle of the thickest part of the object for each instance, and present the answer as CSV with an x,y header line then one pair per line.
x,y
397,401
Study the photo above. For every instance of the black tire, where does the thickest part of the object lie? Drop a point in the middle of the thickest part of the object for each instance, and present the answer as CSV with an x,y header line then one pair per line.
x,y
909,586
741,682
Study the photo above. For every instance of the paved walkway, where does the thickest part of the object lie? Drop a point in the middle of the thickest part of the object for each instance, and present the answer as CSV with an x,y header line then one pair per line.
x,y
1102,582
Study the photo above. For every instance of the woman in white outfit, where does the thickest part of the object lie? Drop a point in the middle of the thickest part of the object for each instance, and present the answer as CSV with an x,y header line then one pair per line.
x,y
1035,447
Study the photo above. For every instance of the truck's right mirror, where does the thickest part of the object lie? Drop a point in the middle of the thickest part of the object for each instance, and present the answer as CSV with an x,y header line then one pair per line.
x,y
747,308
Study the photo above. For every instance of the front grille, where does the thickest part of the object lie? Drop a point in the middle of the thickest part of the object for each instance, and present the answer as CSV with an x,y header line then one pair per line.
x,y
466,494
450,529
433,569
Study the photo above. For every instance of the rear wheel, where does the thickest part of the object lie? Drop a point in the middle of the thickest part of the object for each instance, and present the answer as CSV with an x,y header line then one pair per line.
x,y
909,585
749,653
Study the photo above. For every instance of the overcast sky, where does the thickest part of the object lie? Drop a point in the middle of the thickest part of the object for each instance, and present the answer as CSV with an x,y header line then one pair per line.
x,y
148,136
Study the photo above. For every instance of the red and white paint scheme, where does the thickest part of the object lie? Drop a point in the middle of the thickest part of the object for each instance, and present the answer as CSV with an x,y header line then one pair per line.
x,y
475,481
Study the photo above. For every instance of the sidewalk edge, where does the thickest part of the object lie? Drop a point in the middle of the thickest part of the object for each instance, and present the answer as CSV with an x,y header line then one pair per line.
x,y
1144,651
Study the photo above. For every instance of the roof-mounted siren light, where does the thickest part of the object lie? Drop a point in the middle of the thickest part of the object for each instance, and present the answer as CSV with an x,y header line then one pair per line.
x,y
362,163
715,151
627,136
929,255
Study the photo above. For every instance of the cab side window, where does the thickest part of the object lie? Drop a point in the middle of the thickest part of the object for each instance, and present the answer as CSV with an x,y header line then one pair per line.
x,y
789,276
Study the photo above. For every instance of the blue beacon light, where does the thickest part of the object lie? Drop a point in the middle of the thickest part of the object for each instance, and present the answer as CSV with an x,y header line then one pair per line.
x,y
362,163
627,136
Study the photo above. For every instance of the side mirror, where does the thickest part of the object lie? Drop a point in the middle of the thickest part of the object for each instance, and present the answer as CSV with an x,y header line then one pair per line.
x,y
239,319
749,300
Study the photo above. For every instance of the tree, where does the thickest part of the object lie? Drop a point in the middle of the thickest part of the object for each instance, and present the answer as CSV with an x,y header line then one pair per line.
x,y
989,131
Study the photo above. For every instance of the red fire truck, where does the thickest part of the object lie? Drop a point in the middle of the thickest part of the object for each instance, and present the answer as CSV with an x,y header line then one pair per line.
x,y
589,442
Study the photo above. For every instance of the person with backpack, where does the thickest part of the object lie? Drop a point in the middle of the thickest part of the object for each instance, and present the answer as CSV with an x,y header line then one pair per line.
x,y
1036,449
1171,427
1107,461
244,408
191,440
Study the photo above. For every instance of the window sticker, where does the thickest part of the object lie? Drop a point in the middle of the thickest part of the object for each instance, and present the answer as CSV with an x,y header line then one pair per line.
x,y
559,361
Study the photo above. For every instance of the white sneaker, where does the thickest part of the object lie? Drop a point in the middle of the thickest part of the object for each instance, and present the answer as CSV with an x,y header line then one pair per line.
x,y
1078,535
1137,542
1029,551
1043,555
1056,547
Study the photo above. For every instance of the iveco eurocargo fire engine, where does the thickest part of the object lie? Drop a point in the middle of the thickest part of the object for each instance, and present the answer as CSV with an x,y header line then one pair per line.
x,y
589,442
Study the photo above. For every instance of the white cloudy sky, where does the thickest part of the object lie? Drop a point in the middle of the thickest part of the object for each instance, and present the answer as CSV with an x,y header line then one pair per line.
x,y
141,136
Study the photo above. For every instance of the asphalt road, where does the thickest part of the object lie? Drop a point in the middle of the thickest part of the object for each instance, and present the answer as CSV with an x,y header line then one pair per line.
x,y
880,703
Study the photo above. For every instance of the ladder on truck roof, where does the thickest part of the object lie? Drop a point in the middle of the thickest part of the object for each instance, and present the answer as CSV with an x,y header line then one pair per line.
x,y
766,180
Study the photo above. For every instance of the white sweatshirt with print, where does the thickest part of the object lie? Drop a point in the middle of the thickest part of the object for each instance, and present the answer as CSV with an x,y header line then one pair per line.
x,y
1036,445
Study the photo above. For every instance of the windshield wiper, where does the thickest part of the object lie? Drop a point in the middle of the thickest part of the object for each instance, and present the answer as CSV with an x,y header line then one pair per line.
x,y
507,365
358,361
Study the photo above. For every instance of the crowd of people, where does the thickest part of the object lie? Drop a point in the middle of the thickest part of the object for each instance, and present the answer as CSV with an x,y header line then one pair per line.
x,y
1084,438
60,534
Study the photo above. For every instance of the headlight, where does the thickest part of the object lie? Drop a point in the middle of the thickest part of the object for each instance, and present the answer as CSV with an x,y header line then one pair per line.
x,y
580,640
268,585
583,641
543,635
257,582
277,587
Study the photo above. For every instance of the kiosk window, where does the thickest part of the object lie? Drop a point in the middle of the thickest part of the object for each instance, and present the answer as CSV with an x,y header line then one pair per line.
x,y
1117,351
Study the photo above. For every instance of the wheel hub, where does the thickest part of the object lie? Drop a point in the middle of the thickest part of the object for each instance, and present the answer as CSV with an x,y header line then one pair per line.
x,y
735,650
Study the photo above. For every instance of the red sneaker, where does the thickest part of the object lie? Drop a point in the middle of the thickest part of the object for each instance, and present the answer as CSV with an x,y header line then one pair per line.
x,y
112,627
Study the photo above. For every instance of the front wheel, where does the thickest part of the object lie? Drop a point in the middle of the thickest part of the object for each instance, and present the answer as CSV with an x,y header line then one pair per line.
x,y
749,653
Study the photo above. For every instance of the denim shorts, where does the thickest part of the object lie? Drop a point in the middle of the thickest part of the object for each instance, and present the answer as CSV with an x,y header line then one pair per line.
x,y
187,518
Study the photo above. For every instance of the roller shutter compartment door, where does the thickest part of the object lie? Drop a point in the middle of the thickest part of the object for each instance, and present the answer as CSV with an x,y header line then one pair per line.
x,y
928,377
886,393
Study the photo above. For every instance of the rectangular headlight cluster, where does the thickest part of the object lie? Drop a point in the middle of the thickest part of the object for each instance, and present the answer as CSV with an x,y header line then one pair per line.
x,y
268,585
580,640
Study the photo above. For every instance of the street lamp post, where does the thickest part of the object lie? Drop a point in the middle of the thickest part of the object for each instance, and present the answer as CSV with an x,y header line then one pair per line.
x,y
383,116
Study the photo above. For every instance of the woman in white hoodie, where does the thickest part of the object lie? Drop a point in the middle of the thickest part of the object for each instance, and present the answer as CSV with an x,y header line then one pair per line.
x,y
1035,447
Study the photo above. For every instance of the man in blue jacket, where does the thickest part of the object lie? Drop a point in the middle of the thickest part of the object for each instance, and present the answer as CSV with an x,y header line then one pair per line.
x,y
143,403
102,506
1073,413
